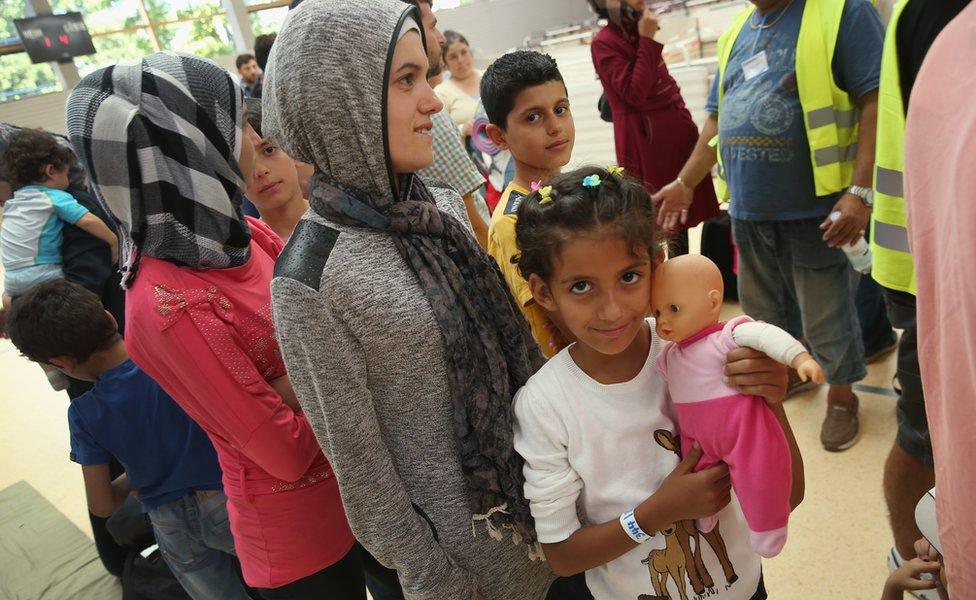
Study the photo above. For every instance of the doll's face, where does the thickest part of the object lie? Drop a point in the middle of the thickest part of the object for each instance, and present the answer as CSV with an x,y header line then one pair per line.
x,y
684,299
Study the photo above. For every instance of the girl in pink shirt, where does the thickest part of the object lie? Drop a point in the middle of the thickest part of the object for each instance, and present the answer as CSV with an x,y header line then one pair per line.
x,y
163,142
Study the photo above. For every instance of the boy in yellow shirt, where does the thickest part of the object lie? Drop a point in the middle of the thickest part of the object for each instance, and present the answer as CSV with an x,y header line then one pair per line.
x,y
528,108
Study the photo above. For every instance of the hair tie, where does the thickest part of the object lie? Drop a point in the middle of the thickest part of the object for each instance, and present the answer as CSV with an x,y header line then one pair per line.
x,y
545,195
591,181
615,170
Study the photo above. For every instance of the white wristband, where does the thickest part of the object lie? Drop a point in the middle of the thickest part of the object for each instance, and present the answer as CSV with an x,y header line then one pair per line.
x,y
629,522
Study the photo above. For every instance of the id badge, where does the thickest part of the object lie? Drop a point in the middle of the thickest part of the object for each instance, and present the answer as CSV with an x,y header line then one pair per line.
x,y
755,66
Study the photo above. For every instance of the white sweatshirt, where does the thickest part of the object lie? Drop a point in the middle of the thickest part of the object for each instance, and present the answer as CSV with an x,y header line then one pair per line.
x,y
605,446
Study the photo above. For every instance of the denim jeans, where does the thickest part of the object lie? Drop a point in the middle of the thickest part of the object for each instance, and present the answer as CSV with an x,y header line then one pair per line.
x,y
194,538
787,270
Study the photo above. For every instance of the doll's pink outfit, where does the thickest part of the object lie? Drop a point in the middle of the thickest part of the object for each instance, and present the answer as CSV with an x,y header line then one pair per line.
x,y
733,428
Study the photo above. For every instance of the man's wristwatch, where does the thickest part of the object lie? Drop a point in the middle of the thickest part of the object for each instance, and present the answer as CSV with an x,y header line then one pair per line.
x,y
866,194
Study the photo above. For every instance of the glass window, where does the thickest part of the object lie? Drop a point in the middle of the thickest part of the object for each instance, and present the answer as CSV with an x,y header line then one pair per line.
x,y
268,20
8,12
115,47
446,4
20,79
102,15
205,36
161,11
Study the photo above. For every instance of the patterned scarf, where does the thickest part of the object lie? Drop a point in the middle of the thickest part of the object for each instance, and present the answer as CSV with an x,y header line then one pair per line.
x,y
160,139
488,345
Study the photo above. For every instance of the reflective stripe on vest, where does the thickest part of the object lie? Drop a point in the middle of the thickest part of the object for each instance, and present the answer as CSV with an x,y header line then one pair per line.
x,y
892,261
829,115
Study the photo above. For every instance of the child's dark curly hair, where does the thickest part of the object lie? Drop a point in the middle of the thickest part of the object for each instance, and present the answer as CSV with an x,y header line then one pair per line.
x,y
619,206
28,152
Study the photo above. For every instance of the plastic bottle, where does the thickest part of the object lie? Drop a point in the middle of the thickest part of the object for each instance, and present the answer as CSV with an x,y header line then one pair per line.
x,y
859,253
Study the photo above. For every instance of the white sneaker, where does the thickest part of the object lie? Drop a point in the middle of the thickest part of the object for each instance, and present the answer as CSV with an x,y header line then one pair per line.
x,y
895,560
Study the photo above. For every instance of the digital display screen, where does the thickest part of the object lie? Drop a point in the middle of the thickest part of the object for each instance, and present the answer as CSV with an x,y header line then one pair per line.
x,y
48,38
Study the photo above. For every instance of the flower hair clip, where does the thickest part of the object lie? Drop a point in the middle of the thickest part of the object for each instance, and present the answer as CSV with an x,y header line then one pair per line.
x,y
615,170
545,195
535,185
591,181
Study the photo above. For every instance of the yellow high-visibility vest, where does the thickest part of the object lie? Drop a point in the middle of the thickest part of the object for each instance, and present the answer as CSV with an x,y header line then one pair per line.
x,y
829,115
892,263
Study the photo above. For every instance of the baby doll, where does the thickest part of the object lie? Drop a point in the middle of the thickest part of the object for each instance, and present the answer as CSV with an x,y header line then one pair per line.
x,y
730,427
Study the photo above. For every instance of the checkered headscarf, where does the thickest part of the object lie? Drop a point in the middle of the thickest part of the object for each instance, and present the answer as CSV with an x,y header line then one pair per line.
x,y
160,139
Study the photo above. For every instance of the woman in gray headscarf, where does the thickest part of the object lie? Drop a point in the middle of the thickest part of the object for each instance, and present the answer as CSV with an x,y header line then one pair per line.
x,y
403,344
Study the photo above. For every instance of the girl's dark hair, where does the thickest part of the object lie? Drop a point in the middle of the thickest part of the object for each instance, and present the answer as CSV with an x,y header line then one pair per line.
x,y
619,206
28,152
451,36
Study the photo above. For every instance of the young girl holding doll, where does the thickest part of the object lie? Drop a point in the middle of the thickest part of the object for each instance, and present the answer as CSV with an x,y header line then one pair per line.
x,y
595,423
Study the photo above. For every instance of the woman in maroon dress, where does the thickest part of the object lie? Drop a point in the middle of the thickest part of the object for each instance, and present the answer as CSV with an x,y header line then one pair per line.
x,y
654,132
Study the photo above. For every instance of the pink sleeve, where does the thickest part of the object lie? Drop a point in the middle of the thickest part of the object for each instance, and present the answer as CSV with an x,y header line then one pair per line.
x,y
265,237
219,387
727,342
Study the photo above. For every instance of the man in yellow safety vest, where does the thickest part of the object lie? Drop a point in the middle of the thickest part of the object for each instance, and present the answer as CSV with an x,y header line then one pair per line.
x,y
792,113
909,470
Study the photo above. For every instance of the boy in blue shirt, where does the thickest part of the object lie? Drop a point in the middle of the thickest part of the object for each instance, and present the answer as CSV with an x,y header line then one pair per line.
x,y
168,459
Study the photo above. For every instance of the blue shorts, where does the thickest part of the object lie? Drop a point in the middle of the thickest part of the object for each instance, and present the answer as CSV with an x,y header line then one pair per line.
x,y
18,281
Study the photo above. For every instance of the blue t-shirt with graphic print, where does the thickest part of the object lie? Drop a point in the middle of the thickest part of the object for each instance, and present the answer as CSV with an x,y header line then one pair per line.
x,y
765,152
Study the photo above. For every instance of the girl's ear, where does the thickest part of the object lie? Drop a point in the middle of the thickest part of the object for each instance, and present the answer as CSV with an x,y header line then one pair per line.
x,y
541,293
49,171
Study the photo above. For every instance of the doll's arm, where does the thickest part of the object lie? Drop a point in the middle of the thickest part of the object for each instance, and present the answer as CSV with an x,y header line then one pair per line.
x,y
780,346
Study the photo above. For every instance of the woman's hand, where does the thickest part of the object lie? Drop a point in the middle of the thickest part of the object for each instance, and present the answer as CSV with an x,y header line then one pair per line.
x,y
755,374
672,202
648,24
